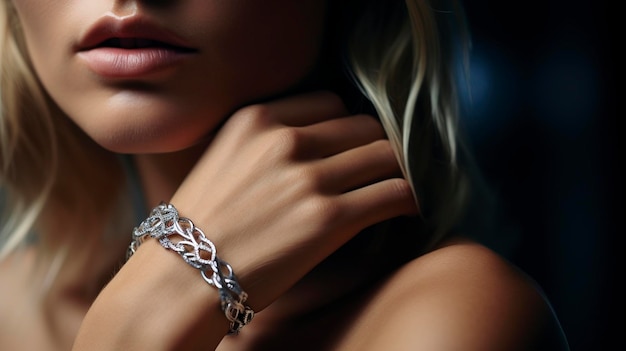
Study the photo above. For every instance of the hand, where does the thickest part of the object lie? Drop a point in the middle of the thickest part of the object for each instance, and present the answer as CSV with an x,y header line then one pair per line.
x,y
284,184
281,186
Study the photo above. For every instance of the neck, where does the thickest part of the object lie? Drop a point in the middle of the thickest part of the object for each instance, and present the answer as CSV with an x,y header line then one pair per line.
x,y
161,174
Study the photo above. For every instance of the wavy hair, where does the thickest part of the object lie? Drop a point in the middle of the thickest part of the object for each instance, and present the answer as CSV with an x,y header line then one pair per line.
x,y
28,145
403,55
47,164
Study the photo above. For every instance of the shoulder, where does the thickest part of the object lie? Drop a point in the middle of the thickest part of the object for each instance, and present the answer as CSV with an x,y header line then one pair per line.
x,y
460,296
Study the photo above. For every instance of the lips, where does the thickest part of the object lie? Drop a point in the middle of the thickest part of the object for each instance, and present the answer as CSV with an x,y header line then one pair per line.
x,y
131,47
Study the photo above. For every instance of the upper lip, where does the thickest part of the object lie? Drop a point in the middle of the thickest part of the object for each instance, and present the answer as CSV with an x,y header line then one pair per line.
x,y
113,31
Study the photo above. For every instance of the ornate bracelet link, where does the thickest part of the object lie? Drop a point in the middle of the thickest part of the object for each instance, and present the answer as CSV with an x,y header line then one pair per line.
x,y
199,252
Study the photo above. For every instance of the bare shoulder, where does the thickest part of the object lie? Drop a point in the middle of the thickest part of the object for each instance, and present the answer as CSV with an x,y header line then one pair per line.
x,y
461,296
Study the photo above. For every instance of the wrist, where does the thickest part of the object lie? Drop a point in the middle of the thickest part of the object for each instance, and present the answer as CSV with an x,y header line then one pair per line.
x,y
180,235
155,302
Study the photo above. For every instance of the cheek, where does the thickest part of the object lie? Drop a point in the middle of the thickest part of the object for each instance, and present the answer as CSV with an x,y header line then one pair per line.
x,y
42,24
47,28
268,46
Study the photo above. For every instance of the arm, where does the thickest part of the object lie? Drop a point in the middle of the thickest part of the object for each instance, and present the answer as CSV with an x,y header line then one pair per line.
x,y
281,186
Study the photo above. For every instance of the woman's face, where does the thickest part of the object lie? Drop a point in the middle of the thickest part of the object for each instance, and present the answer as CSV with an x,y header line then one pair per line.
x,y
159,75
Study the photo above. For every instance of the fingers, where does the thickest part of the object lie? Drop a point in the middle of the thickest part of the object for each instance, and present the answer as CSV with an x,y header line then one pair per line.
x,y
346,158
378,202
359,167
301,110
352,150
334,136
315,124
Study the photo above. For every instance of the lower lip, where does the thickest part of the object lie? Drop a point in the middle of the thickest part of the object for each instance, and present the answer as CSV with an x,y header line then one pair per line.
x,y
130,63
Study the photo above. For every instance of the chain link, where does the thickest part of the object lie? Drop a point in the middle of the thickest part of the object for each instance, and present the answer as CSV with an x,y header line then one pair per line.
x,y
190,242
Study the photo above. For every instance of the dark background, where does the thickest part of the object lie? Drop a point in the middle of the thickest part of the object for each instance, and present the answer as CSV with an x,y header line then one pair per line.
x,y
542,123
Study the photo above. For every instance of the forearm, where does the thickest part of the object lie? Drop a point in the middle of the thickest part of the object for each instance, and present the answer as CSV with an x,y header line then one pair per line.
x,y
181,311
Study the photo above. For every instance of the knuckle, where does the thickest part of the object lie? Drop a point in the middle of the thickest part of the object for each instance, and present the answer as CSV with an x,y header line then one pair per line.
x,y
286,141
324,209
400,188
256,115
385,147
309,179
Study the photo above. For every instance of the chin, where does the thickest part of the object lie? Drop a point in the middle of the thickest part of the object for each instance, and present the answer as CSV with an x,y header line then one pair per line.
x,y
141,140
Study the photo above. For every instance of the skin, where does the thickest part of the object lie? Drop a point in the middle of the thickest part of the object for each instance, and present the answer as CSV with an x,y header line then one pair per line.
x,y
300,161
241,50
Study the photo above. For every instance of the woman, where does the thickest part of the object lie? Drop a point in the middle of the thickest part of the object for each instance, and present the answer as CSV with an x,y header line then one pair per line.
x,y
255,119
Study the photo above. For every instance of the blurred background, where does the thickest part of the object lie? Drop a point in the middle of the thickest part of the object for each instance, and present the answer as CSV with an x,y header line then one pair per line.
x,y
542,123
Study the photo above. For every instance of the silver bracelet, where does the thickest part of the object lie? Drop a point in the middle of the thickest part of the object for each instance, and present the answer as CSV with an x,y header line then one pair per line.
x,y
199,252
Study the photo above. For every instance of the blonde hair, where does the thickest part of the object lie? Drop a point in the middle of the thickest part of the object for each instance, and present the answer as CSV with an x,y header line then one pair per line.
x,y
403,68
28,146
47,164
